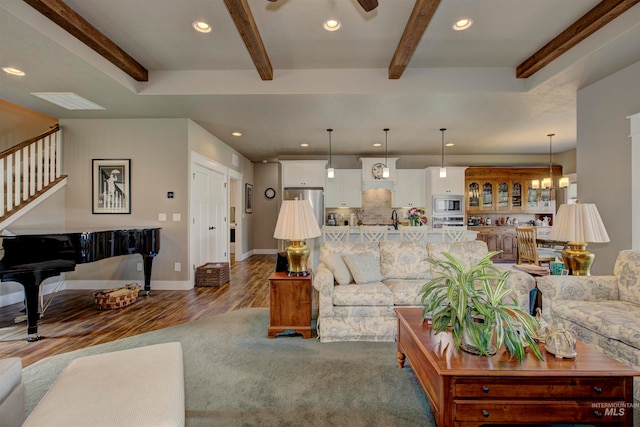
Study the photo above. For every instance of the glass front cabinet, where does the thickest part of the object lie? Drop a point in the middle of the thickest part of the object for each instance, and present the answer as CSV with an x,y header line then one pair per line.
x,y
501,190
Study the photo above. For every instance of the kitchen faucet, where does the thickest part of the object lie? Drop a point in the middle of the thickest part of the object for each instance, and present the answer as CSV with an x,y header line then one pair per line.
x,y
394,219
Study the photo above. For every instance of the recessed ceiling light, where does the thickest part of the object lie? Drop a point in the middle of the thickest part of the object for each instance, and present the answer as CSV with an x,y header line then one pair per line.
x,y
449,144
13,71
236,133
68,100
377,144
332,24
304,144
201,26
462,24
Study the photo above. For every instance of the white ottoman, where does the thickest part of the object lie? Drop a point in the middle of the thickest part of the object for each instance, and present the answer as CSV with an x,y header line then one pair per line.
x,y
137,387
11,392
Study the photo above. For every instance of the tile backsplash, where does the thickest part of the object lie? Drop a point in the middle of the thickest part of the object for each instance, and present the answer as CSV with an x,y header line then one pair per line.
x,y
376,208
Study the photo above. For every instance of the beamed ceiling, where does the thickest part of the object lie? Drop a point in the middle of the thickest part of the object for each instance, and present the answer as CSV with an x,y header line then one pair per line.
x,y
270,71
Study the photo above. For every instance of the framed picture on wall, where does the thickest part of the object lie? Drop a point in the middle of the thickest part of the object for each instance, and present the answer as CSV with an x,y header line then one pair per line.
x,y
111,189
248,198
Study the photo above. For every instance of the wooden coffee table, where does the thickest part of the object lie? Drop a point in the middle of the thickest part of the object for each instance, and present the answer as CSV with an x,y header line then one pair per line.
x,y
468,390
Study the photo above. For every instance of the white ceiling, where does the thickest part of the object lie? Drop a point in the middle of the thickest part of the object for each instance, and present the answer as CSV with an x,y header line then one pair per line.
x,y
464,81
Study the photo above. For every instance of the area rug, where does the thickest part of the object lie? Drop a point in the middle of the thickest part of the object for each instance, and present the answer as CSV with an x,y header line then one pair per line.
x,y
236,376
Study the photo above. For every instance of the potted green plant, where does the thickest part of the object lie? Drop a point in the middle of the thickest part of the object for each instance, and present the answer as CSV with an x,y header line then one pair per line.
x,y
473,304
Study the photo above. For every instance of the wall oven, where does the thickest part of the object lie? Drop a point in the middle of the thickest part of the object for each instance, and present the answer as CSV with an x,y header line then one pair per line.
x,y
438,221
448,205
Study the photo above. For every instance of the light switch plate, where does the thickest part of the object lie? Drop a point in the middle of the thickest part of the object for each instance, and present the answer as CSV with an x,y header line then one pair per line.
x,y
162,217
177,217
177,266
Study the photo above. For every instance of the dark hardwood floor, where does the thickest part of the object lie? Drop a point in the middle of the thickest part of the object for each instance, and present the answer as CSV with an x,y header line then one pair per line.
x,y
72,321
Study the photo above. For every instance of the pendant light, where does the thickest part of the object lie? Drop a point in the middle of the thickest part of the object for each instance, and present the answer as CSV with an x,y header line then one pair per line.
x,y
385,170
547,183
443,170
330,172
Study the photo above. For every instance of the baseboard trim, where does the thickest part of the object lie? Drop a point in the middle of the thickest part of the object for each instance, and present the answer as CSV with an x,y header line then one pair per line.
x,y
48,288
159,285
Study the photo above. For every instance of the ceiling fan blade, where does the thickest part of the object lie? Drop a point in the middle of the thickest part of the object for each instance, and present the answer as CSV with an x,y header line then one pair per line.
x,y
368,5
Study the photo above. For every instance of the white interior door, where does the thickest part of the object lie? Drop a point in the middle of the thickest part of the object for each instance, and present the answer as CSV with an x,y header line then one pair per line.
x,y
209,217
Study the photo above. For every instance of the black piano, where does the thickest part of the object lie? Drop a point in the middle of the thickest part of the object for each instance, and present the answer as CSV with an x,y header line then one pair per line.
x,y
29,258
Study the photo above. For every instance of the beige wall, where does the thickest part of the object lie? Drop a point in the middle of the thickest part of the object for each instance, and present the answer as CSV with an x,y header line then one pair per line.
x,y
159,152
159,163
211,147
18,124
604,158
266,210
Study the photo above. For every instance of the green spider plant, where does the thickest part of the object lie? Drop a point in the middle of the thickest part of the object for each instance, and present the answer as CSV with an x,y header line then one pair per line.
x,y
473,304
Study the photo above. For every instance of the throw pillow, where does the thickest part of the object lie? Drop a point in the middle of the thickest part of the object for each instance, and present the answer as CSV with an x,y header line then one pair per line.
x,y
363,267
336,264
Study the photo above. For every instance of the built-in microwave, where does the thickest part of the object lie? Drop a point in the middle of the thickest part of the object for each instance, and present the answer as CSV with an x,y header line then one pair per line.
x,y
448,205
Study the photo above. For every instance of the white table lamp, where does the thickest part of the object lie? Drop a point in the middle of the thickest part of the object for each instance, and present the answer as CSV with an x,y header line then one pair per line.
x,y
296,222
578,225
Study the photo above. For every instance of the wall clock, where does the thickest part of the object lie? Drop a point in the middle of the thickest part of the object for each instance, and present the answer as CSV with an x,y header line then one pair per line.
x,y
376,170
269,193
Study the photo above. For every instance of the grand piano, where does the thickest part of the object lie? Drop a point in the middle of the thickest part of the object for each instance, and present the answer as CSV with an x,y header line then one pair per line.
x,y
31,257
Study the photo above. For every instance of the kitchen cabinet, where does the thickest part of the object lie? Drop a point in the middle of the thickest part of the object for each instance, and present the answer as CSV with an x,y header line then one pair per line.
x,y
508,190
410,188
303,173
344,190
499,239
452,185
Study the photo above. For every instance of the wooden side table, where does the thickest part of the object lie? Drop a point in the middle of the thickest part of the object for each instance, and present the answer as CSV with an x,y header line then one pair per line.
x,y
289,304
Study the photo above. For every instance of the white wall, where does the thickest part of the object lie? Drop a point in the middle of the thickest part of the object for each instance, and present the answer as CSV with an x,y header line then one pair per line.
x,y
604,158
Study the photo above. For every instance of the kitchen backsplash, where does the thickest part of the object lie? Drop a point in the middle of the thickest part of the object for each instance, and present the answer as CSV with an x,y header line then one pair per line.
x,y
376,208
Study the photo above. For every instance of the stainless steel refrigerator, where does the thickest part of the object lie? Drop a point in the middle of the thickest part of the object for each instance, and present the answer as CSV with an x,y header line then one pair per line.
x,y
314,195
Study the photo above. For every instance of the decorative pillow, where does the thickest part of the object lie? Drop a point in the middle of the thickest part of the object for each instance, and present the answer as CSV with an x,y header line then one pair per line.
x,y
336,264
364,267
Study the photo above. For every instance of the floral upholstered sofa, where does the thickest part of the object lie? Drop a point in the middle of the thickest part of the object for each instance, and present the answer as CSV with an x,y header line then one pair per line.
x,y
603,311
360,284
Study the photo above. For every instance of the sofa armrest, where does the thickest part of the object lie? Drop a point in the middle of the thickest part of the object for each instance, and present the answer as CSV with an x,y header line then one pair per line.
x,y
323,282
520,284
578,288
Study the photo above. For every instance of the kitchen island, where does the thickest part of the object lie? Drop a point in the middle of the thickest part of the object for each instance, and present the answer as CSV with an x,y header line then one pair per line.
x,y
433,236
503,238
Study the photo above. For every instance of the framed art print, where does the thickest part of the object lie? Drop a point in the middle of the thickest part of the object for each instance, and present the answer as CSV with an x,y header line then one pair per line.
x,y
111,190
248,198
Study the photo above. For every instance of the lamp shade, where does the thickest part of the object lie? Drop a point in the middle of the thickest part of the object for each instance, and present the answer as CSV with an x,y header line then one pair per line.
x,y
296,221
580,222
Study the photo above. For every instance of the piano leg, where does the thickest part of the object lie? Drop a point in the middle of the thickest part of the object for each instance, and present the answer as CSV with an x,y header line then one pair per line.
x,y
148,262
31,286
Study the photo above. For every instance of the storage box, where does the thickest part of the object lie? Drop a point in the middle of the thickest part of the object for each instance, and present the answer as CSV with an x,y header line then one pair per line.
x,y
212,274
117,297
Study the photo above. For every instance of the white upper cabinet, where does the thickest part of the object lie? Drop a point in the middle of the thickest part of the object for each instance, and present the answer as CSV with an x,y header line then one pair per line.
x,y
303,173
344,190
452,185
410,188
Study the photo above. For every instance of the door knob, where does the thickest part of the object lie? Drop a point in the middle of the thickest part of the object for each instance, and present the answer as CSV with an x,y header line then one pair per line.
x,y
212,228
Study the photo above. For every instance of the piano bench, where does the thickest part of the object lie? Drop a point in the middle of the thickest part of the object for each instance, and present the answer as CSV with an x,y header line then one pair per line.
x,y
141,386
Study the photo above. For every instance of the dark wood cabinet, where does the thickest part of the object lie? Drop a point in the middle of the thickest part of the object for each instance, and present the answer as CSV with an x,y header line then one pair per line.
x,y
289,304
499,239
508,190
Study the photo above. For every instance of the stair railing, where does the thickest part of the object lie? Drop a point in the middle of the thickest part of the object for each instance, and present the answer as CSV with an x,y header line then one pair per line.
x,y
28,169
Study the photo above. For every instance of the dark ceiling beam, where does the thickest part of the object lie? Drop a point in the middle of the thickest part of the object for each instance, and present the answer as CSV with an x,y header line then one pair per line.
x,y
603,13
368,5
68,19
243,18
420,17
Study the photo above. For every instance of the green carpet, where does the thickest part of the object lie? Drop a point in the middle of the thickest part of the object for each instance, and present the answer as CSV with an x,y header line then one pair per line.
x,y
236,376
